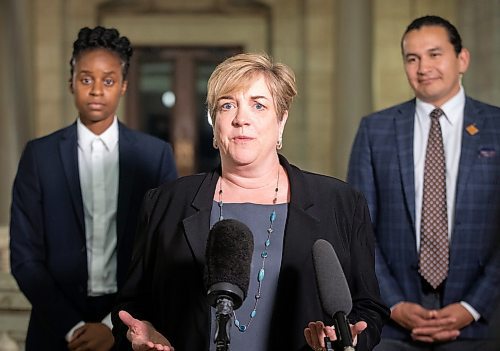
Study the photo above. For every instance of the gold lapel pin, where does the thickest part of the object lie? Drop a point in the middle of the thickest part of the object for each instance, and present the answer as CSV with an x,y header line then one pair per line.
x,y
471,129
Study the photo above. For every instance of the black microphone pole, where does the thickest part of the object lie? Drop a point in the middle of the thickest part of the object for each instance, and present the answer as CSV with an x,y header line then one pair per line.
x,y
343,333
225,297
328,344
224,319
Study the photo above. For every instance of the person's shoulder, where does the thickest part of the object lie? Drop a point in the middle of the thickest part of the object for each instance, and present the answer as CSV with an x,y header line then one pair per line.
x,y
390,112
182,186
53,137
328,182
142,138
326,189
483,106
324,184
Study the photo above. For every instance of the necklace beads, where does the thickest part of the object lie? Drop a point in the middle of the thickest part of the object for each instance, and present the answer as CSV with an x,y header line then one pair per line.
x,y
264,255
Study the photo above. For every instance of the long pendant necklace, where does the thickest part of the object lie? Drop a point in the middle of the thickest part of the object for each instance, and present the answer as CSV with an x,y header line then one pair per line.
x,y
264,255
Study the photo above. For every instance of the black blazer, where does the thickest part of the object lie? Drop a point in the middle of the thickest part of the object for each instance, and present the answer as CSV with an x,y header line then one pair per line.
x,y
165,284
47,235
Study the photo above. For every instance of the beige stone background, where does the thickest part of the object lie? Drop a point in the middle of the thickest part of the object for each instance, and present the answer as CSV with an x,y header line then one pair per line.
x,y
345,54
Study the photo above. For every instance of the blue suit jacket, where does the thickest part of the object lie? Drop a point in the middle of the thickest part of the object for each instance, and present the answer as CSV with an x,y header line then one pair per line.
x,y
382,167
47,234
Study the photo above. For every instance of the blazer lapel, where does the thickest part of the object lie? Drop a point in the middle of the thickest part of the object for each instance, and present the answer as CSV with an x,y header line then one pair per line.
x,y
68,149
197,226
404,125
126,176
300,219
469,149
302,227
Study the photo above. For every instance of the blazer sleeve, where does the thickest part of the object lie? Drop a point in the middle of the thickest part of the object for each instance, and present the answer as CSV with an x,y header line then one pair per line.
x,y
365,289
361,175
28,253
134,288
483,296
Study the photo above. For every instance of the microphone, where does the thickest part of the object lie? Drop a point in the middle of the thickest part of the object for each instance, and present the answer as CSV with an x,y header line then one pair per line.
x,y
227,273
334,293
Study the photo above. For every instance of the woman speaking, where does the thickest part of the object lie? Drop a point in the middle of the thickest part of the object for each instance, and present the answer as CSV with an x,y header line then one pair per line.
x,y
164,305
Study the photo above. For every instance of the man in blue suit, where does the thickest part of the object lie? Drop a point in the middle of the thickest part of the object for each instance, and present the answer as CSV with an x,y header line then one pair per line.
x,y
387,164
76,200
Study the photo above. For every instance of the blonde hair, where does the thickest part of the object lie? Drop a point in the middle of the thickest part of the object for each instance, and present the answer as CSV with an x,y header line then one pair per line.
x,y
236,72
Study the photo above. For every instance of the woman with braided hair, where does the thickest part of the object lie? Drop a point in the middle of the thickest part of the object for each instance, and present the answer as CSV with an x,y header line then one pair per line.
x,y
76,200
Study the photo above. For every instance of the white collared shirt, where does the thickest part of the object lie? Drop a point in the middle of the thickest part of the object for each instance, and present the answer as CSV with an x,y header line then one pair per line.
x,y
451,127
98,171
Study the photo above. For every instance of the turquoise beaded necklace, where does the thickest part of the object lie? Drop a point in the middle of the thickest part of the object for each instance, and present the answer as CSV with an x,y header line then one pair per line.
x,y
264,255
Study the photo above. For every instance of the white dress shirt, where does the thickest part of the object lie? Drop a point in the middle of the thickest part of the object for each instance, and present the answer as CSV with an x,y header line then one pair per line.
x,y
451,128
98,167
99,170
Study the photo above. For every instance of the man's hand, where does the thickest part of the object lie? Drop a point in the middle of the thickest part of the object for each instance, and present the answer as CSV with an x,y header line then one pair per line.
x,y
449,320
143,336
432,325
411,315
92,337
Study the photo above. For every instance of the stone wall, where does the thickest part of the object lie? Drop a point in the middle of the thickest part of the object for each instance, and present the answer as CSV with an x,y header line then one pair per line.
x,y
14,308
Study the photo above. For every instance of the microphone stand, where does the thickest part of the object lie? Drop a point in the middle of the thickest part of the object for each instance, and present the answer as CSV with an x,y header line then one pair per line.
x,y
223,317
328,344
225,297
343,332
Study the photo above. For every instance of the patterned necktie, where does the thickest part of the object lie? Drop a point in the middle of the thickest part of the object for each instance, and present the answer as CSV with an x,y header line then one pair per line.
x,y
434,251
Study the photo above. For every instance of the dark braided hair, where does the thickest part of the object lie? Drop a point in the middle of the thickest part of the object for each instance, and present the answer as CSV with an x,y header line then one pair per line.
x,y
102,38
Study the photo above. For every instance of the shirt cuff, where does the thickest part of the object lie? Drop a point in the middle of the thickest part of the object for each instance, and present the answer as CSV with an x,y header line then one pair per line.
x,y
397,304
471,310
107,321
69,335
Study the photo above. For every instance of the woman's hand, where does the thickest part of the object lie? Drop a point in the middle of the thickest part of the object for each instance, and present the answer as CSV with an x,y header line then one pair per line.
x,y
143,336
316,331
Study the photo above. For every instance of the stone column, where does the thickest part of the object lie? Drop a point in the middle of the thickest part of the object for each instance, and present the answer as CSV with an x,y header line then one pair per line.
x,y
479,26
15,93
353,82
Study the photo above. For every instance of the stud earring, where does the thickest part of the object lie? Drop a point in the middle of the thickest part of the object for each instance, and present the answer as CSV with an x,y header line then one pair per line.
x,y
279,143
214,143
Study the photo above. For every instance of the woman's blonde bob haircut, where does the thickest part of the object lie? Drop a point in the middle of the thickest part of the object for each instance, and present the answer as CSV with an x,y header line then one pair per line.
x,y
236,73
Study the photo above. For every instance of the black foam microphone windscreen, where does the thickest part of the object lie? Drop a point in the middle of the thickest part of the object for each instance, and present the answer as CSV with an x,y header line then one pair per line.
x,y
228,258
333,289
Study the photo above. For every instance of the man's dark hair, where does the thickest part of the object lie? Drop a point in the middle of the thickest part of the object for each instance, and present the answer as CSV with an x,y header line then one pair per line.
x,y
425,21
102,38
